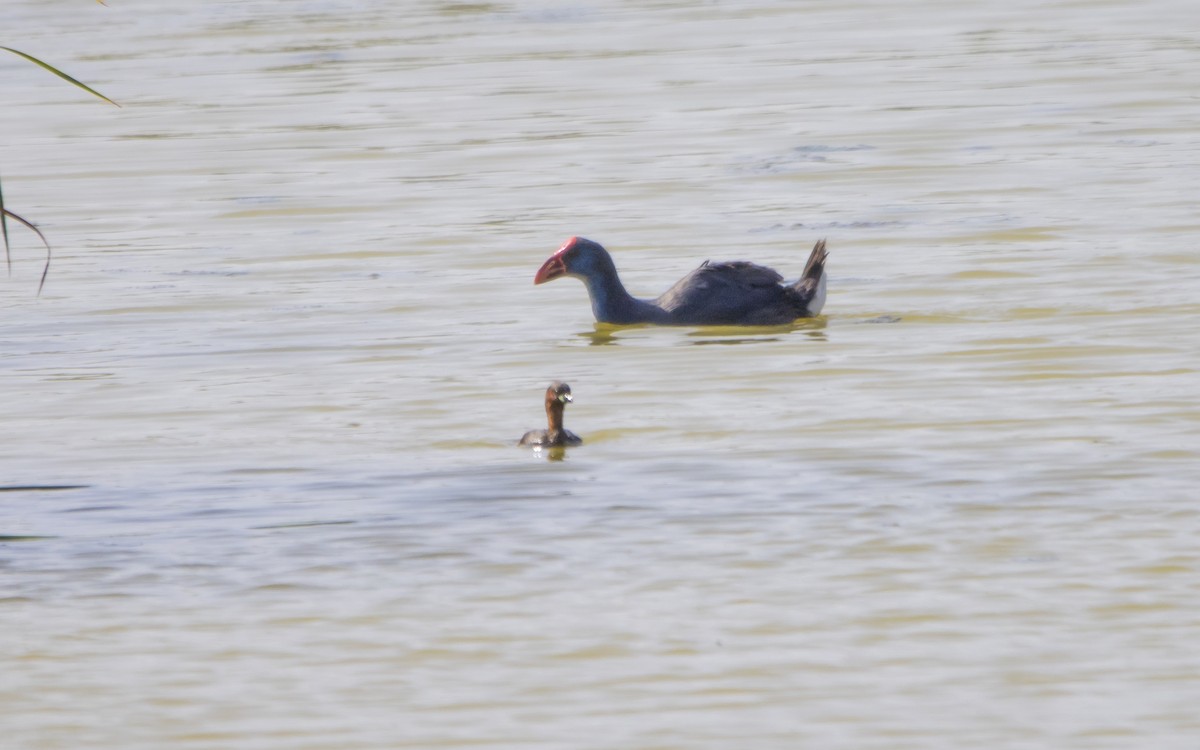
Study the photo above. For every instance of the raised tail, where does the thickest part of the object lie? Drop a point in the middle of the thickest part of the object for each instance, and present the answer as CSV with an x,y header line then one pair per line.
x,y
811,286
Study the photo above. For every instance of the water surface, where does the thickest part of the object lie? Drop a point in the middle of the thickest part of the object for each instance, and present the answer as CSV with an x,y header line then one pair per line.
x,y
271,390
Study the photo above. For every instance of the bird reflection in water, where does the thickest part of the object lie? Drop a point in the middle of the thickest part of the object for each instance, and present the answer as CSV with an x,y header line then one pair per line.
x,y
605,334
553,453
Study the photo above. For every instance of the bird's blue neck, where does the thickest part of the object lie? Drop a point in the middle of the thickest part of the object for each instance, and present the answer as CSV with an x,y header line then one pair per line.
x,y
612,304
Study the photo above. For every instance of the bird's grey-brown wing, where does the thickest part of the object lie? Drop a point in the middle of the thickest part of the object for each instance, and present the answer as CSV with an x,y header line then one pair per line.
x,y
533,437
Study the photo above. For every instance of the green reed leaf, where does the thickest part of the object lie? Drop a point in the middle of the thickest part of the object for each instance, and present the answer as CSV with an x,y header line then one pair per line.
x,y
4,231
38,232
60,74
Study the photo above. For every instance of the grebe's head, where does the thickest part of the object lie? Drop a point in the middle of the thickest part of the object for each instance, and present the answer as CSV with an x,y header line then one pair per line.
x,y
558,391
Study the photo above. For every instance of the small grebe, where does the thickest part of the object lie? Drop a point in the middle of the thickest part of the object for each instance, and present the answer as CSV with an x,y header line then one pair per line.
x,y
558,395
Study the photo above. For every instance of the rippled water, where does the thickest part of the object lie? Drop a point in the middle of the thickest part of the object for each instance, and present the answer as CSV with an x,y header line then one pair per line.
x,y
290,336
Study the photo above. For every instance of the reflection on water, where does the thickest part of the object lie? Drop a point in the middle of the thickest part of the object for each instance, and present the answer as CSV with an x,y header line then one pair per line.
x,y
552,453
282,358
606,334
812,328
